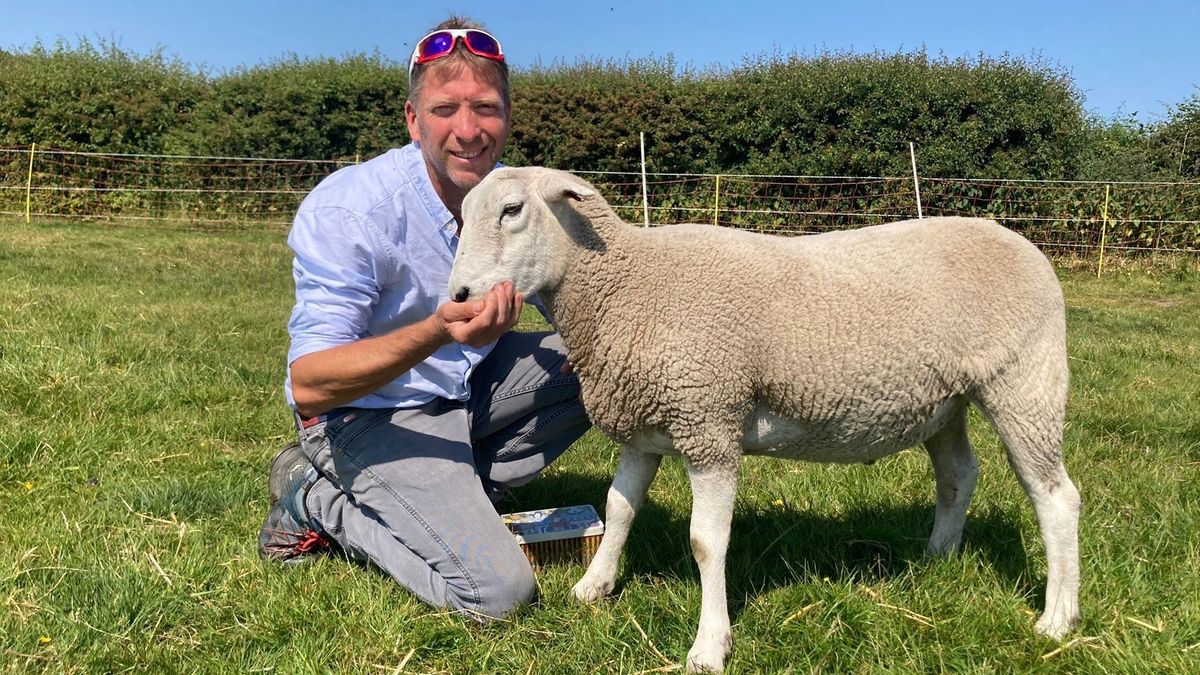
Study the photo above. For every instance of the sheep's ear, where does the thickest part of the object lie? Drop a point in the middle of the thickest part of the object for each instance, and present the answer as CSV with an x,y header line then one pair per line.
x,y
577,192
561,187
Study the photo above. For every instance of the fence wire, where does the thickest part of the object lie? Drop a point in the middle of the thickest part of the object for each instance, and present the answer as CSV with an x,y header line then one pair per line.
x,y
244,192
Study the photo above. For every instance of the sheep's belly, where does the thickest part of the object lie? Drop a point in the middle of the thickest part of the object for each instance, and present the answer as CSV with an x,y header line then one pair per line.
x,y
841,441
773,435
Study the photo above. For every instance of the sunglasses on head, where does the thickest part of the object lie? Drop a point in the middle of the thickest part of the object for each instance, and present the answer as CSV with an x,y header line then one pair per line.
x,y
440,43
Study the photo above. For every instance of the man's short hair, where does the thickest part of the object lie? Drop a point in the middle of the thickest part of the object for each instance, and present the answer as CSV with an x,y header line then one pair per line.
x,y
460,57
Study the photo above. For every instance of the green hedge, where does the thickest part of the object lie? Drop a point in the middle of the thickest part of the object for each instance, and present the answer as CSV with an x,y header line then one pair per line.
x,y
834,114
94,97
1176,143
828,114
299,109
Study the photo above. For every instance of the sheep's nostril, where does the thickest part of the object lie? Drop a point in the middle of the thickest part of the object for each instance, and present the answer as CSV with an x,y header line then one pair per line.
x,y
462,294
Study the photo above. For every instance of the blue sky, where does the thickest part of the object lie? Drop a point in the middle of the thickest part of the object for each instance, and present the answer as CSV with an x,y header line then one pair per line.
x,y
1125,57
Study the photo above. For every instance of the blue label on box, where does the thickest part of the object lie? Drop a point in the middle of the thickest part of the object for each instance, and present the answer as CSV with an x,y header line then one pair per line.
x,y
563,522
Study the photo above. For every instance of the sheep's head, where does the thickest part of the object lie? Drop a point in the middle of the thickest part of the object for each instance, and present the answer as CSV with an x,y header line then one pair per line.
x,y
515,227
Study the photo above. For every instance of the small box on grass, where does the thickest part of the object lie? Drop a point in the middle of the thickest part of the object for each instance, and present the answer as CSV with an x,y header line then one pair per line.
x,y
564,534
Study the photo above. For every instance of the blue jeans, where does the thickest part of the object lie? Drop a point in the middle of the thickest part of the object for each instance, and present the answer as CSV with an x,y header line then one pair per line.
x,y
408,489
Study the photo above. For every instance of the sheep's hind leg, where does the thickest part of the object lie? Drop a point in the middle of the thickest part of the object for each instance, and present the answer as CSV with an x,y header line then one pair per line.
x,y
956,471
625,497
1028,416
714,487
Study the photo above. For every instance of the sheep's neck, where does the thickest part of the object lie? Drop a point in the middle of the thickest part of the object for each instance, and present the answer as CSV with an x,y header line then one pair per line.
x,y
592,288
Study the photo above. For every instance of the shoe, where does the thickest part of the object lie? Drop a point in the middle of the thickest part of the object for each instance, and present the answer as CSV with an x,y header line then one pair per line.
x,y
288,465
288,534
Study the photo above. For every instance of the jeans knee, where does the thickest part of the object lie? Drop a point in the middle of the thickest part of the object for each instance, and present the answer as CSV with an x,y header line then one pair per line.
x,y
505,591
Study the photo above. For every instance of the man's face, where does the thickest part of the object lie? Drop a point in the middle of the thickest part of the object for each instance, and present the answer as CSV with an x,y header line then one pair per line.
x,y
462,123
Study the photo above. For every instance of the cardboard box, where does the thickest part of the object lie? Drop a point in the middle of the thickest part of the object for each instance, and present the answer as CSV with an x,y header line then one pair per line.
x,y
566,534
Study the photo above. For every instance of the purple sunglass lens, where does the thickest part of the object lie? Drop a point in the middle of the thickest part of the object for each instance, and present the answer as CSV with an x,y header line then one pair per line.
x,y
438,43
482,43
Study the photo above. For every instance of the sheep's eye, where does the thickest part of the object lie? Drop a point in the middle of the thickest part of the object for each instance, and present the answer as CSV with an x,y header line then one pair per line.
x,y
511,210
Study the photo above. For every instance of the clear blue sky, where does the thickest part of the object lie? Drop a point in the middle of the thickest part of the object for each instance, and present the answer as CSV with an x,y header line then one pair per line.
x,y
1124,56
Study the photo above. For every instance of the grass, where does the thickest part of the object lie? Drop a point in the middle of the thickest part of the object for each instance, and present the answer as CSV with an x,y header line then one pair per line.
x,y
140,380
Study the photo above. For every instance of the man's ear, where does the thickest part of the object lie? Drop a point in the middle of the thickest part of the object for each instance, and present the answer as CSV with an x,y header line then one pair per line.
x,y
410,119
559,186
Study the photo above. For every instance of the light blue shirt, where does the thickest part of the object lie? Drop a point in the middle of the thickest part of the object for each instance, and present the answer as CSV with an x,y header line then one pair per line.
x,y
374,245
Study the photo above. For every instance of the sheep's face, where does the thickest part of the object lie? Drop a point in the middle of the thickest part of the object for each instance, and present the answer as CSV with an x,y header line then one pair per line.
x,y
511,231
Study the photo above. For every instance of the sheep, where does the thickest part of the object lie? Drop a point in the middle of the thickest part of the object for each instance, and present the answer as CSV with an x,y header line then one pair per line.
x,y
710,342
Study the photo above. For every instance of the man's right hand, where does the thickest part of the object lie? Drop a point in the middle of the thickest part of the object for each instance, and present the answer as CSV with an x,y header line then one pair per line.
x,y
333,377
481,322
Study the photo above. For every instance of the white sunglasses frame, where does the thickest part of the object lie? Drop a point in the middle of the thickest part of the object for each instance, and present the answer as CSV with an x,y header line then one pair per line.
x,y
456,34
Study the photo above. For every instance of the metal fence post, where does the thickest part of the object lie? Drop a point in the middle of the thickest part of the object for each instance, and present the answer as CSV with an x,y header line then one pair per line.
x,y
29,183
645,200
1103,230
912,152
717,199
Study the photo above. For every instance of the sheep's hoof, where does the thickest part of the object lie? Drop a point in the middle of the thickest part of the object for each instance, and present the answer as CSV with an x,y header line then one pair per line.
x,y
708,658
1056,627
589,592
943,549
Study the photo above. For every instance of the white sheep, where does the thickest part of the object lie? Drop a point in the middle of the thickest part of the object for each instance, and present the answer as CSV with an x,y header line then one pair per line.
x,y
841,347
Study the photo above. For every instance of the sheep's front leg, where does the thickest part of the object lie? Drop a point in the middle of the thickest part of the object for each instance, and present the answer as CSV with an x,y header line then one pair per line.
x,y
625,498
714,487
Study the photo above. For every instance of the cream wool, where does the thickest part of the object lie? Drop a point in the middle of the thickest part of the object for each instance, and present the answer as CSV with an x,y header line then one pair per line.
x,y
849,346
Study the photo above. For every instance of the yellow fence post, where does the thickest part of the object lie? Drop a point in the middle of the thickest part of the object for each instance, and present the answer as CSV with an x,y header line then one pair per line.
x,y
717,199
1103,230
29,183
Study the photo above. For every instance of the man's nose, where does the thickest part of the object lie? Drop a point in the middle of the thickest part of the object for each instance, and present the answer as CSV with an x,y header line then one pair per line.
x,y
466,124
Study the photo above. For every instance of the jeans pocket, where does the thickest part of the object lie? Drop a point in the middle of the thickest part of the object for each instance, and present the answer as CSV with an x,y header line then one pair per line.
x,y
346,428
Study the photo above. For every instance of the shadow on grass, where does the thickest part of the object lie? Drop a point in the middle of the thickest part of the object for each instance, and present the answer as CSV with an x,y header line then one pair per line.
x,y
782,547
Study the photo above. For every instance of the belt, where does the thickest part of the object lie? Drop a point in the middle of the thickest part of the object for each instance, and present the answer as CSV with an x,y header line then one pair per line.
x,y
306,422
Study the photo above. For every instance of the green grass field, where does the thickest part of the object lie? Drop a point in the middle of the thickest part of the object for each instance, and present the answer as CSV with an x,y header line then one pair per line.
x,y
140,386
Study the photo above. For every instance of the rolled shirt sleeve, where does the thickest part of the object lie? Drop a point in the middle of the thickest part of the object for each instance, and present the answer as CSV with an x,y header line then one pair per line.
x,y
339,268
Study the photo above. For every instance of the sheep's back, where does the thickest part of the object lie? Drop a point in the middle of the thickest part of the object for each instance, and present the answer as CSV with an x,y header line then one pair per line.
x,y
885,322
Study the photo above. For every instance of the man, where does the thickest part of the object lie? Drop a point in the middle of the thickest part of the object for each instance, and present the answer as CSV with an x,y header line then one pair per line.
x,y
415,412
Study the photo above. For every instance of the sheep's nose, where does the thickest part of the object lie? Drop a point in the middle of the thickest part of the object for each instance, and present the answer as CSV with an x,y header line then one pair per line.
x,y
462,294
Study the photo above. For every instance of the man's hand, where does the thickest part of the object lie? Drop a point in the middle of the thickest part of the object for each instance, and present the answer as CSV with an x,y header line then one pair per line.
x,y
481,322
336,376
